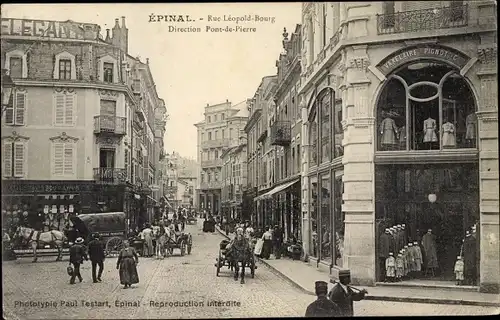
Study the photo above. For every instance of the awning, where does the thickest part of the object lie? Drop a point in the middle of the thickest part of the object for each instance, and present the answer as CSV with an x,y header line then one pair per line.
x,y
167,202
275,190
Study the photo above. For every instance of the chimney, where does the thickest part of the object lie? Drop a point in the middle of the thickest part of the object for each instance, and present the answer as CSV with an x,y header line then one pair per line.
x,y
108,39
116,40
124,43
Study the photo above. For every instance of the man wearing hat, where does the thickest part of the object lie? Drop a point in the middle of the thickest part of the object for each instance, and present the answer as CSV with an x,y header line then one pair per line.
x,y
77,253
343,295
96,253
322,307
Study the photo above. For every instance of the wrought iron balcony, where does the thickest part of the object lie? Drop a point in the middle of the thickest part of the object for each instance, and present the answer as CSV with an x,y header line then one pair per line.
x,y
110,175
421,20
211,185
211,163
110,125
281,133
215,143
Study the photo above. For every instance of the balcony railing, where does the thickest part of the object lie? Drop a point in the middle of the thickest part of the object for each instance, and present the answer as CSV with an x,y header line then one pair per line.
x,y
421,20
211,185
281,133
110,125
211,163
215,143
110,175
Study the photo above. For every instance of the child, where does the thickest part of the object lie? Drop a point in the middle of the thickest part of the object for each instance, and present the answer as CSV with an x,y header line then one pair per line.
x,y
399,267
459,271
390,267
418,257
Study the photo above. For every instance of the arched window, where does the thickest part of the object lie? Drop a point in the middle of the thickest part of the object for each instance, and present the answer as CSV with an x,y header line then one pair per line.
x,y
426,106
313,140
325,104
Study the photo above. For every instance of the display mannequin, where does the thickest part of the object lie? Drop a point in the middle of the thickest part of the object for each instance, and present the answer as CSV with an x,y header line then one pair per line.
x,y
406,259
390,268
384,250
470,132
389,134
401,239
411,260
470,257
459,271
399,267
429,130
418,258
448,135
429,244
392,232
405,233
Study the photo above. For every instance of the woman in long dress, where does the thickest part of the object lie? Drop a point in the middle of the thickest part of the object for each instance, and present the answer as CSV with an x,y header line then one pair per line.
x,y
268,244
127,265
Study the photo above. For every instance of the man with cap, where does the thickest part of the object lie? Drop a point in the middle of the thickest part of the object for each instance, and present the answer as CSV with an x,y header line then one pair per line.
x,y
96,253
322,307
343,295
77,253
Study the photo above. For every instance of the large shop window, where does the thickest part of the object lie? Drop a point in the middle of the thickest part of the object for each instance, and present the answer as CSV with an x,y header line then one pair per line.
x,y
325,105
313,136
426,106
440,197
313,189
338,218
326,215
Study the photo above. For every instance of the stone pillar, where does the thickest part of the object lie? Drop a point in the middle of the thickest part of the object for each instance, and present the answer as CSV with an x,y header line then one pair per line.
x,y
359,209
487,116
304,153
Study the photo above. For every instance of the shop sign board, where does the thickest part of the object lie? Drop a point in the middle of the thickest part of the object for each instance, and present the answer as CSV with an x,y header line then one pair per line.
x,y
51,29
423,53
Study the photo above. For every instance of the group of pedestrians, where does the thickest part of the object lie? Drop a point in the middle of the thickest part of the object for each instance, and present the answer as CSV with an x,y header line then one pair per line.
x,y
94,251
339,301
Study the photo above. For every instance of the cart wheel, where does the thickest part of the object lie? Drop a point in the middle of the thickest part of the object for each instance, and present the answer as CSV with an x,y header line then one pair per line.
x,y
183,248
252,270
190,244
114,245
218,265
189,249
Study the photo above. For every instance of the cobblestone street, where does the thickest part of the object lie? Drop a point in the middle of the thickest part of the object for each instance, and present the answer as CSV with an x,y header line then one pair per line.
x,y
176,279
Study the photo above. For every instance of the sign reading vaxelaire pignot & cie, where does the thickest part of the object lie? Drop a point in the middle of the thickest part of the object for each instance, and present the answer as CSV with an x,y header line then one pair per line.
x,y
423,52
47,28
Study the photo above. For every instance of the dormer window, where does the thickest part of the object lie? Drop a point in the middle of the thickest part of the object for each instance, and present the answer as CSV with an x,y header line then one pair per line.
x,y
108,72
16,63
65,66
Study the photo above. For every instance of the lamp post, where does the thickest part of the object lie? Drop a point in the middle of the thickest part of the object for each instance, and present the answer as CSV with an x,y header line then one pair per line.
x,y
7,89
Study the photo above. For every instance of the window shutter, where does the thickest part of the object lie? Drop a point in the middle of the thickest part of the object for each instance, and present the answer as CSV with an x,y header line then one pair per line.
x,y
9,115
20,107
18,159
69,157
58,159
69,109
7,159
59,109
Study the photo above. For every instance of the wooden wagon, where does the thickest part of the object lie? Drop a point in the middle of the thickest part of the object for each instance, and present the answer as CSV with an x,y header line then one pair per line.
x,y
111,227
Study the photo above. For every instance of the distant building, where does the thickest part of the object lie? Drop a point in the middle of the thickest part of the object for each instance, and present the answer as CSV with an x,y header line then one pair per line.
x,y
234,174
220,129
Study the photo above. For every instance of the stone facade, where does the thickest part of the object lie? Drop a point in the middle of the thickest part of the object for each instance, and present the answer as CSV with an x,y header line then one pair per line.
x,y
359,37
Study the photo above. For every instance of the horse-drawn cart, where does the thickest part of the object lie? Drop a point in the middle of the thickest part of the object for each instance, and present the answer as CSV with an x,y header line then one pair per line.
x,y
182,241
111,227
224,260
191,219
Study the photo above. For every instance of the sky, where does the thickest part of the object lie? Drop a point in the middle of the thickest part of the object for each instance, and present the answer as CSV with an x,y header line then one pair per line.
x,y
189,69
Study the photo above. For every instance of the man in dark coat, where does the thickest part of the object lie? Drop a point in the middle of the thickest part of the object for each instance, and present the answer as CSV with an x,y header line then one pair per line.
x,y
77,253
383,252
322,307
343,295
96,253
277,241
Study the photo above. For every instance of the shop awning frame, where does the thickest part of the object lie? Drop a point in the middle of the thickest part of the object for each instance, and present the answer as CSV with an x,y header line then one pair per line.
x,y
167,202
269,194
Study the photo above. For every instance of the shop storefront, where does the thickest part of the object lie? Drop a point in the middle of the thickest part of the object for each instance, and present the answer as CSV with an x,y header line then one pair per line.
x,y
324,176
428,108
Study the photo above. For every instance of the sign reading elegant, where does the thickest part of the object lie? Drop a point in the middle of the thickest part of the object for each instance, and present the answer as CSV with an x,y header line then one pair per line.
x,y
52,29
424,52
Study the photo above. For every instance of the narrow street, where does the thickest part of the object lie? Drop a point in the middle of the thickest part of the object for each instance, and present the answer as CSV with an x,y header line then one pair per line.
x,y
187,280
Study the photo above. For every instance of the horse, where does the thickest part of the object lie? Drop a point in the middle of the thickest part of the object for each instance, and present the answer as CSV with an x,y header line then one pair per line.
x,y
240,252
160,241
33,238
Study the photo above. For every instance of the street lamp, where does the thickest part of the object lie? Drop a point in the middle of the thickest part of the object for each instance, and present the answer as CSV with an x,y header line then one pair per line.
x,y
7,88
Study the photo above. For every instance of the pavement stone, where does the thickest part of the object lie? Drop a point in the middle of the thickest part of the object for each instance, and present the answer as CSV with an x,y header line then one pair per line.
x,y
176,279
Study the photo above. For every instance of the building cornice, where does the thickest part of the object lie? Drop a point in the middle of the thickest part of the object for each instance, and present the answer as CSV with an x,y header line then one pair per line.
x,y
252,120
293,73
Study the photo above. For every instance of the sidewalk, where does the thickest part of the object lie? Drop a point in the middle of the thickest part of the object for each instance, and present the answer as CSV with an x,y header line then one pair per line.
x,y
303,276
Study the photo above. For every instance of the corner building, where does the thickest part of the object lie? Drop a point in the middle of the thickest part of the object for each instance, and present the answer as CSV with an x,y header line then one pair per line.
x,y
400,126
78,135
